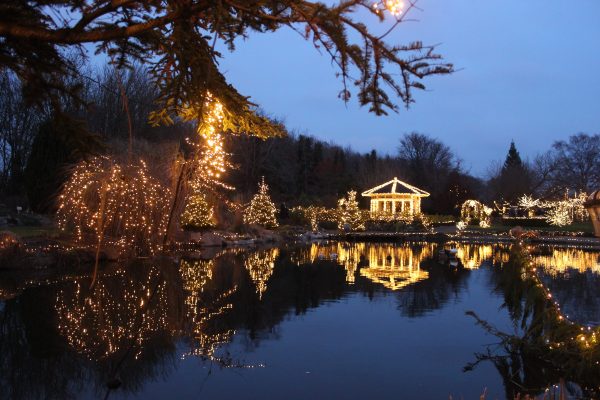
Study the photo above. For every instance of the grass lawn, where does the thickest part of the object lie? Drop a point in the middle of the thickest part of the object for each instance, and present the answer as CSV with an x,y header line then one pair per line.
x,y
585,227
31,231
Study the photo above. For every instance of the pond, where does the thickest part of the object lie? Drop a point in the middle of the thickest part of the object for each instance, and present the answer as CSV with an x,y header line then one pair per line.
x,y
326,320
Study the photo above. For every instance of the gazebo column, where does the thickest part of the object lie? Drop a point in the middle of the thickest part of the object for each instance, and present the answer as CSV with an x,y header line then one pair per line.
x,y
393,206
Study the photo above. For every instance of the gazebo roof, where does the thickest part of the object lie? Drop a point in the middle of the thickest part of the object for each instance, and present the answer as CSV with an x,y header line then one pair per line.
x,y
395,186
593,199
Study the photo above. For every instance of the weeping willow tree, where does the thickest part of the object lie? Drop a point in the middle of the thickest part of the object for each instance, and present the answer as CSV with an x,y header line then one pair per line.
x,y
177,38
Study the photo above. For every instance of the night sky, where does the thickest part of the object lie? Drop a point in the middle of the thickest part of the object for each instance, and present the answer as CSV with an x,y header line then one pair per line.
x,y
529,72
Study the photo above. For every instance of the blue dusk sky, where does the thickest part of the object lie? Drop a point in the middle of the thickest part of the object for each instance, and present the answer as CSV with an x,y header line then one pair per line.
x,y
528,71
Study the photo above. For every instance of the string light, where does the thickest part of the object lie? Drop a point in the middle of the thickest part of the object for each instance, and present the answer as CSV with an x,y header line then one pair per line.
x,y
104,199
198,213
349,215
211,160
260,264
261,210
474,210
394,7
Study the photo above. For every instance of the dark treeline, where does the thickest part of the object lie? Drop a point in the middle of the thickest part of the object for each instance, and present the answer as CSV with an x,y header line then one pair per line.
x,y
37,147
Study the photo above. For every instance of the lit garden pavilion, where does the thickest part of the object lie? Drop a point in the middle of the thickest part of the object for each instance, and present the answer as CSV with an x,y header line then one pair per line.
x,y
394,197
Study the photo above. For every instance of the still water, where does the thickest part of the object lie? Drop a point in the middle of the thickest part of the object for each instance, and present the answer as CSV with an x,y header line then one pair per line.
x,y
328,320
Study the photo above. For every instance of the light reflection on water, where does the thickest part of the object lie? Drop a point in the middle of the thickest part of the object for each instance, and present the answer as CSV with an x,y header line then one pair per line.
x,y
142,322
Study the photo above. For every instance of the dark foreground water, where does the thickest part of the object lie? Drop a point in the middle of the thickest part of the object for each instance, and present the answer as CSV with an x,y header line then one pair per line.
x,y
331,321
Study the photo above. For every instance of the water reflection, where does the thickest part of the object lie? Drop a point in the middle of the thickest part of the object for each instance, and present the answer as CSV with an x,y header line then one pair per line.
x,y
543,349
472,256
556,261
59,339
260,265
573,278
392,265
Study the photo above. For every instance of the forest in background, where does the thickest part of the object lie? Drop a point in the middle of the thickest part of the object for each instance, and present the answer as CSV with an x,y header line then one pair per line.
x,y
37,148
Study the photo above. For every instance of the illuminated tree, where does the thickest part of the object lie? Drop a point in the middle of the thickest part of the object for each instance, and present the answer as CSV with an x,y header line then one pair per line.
x,y
529,204
104,200
559,213
261,210
198,213
349,215
179,37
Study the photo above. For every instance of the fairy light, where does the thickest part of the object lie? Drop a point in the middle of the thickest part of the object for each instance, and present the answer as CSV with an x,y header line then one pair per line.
x,y
473,209
392,266
472,256
394,7
211,161
261,210
119,311
123,203
559,213
260,264
198,213
577,340
349,215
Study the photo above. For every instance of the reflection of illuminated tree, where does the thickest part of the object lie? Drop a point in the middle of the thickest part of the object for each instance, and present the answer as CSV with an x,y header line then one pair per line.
x,y
547,347
87,337
195,274
473,256
260,265
114,315
573,278
203,309
558,260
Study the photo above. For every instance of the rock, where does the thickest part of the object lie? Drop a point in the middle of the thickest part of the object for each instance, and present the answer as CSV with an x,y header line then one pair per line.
x,y
516,232
193,236
211,239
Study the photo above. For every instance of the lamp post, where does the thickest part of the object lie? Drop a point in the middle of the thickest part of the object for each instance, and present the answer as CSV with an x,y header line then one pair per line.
x,y
592,204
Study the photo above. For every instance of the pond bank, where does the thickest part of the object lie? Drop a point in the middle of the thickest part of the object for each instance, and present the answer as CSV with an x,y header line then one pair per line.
x,y
589,242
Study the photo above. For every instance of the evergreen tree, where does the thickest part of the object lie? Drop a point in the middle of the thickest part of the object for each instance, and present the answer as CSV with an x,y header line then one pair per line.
x,y
59,143
513,158
198,213
262,210
349,215
178,37
514,179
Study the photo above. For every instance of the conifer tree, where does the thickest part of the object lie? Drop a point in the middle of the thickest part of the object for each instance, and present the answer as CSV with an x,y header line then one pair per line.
x,y
513,158
349,214
198,213
514,179
179,37
261,210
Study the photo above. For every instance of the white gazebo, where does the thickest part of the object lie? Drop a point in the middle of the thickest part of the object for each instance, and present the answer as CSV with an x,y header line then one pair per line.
x,y
394,197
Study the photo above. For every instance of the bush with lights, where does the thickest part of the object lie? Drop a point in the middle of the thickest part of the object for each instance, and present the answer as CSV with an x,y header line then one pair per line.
x,y
198,213
349,215
261,210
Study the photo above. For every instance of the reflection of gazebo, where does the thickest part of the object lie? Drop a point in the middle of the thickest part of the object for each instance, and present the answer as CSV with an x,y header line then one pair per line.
x,y
395,196
394,278
593,206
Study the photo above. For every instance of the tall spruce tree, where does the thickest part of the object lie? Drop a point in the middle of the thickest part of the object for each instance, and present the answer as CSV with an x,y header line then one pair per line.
x,y
513,158
514,179
179,38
